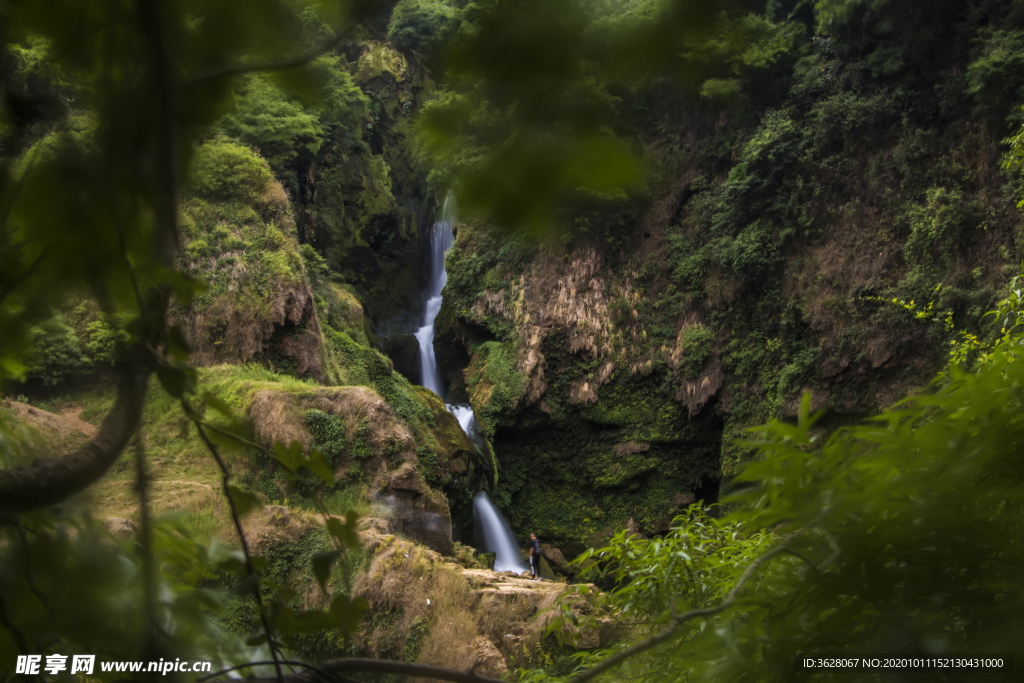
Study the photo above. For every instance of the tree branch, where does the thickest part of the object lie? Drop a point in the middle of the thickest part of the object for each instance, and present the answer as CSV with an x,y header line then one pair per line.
x,y
144,547
335,666
670,631
325,675
48,481
285,65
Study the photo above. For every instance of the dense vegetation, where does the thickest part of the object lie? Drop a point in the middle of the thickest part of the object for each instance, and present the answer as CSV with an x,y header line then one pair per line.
x,y
678,221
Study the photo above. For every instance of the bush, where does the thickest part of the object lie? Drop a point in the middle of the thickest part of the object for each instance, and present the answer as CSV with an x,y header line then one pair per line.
x,y
696,347
995,78
328,434
264,117
225,170
421,25
57,356
936,226
105,337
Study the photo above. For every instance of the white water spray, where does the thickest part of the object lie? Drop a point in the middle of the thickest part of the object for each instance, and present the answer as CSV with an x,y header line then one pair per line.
x,y
496,535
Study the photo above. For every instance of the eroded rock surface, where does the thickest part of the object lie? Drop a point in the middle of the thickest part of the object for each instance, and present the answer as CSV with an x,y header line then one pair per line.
x,y
420,513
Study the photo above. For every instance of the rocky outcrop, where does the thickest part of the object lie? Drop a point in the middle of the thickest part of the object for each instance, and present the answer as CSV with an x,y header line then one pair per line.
x,y
420,513
556,560
120,527
473,615
279,415
490,662
258,304
458,455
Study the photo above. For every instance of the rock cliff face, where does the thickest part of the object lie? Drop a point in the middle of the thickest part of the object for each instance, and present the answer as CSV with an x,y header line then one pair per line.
x,y
363,206
589,427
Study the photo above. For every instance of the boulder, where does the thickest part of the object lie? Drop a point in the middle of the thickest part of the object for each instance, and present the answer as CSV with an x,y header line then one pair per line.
x,y
556,559
489,661
120,527
277,515
421,514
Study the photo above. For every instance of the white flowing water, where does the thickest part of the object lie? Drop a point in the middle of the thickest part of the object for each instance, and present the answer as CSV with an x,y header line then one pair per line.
x,y
441,240
496,535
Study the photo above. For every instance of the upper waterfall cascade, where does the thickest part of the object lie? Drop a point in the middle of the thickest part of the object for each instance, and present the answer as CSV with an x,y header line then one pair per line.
x,y
441,240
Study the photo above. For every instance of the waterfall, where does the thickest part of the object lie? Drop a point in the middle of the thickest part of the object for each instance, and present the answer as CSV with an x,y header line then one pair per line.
x,y
441,240
496,535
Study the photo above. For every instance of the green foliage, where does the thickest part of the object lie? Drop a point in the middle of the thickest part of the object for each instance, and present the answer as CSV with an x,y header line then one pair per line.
x,y
540,134
105,337
328,433
224,170
693,566
316,265
58,356
423,25
995,79
695,346
69,577
286,125
881,523
359,365
936,226
265,118
495,386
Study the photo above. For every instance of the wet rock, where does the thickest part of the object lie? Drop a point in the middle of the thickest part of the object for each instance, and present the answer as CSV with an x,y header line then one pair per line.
x,y
489,660
684,500
457,455
819,400
634,529
404,352
421,514
556,559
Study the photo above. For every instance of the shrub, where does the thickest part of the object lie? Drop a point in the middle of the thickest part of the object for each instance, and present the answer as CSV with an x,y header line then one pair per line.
x,y
58,355
105,336
421,25
263,116
225,170
936,226
995,77
696,347
328,433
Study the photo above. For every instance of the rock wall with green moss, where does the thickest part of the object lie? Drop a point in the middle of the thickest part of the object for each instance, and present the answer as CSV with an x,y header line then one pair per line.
x,y
364,202
812,236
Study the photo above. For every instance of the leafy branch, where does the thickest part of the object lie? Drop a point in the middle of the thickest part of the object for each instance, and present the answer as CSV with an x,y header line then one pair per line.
x,y
677,620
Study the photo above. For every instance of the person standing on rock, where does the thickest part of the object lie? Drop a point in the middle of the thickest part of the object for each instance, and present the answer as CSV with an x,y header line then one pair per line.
x,y
535,555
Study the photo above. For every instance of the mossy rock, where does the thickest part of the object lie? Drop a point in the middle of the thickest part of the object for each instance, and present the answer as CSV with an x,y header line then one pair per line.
x,y
494,385
240,239
457,453
378,60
